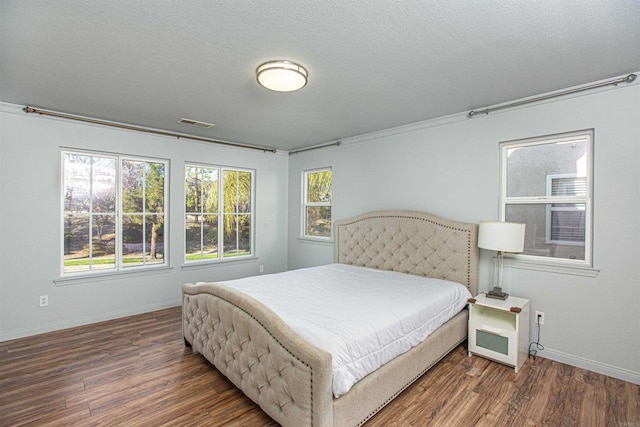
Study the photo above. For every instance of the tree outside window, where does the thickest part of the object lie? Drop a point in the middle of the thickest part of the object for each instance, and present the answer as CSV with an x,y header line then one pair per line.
x,y
218,213
316,204
142,213
107,226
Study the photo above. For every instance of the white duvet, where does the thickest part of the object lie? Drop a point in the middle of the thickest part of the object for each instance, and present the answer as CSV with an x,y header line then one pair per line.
x,y
363,317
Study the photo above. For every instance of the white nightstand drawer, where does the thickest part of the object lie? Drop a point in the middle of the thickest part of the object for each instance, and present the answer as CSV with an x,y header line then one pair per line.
x,y
498,347
491,341
498,330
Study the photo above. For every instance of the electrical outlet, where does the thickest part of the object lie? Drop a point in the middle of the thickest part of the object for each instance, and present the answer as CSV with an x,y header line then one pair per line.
x,y
262,269
540,317
44,300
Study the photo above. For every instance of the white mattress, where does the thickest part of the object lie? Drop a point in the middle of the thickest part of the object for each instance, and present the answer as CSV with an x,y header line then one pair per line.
x,y
363,317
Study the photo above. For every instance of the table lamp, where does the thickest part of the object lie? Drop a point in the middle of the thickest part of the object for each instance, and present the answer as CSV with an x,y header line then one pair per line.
x,y
501,237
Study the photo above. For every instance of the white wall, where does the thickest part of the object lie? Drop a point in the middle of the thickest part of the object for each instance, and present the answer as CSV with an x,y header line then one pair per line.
x,y
449,167
30,223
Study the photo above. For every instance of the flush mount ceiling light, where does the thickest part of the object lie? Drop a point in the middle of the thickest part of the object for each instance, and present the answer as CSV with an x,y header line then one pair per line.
x,y
282,76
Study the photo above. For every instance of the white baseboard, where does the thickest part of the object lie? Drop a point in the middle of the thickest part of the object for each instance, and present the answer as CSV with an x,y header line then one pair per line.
x,y
26,332
591,365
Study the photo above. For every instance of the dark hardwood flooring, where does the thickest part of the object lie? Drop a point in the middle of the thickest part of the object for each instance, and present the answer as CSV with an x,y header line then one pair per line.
x,y
136,371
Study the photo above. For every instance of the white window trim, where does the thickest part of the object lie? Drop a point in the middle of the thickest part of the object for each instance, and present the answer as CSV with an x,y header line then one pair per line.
x,y
119,270
541,263
303,223
187,264
102,275
524,262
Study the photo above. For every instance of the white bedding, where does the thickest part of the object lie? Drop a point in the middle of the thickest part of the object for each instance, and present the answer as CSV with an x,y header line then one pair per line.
x,y
363,317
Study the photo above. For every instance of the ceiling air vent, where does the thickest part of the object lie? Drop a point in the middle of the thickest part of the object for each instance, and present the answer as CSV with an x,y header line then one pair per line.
x,y
196,123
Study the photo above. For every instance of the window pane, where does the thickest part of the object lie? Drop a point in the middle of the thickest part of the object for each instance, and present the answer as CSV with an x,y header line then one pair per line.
x,y
244,192
202,238
237,235
244,235
193,237
209,190
76,243
230,191
193,189
132,240
210,237
318,221
132,186
154,187
104,185
237,191
319,186
230,195
77,173
544,223
154,239
103,254
567,223
230,235
528,167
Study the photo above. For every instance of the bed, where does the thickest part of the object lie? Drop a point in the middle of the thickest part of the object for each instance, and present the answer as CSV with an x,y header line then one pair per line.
x,y
290,378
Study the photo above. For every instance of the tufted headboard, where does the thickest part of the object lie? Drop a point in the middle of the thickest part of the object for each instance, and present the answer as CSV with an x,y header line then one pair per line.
x,y
410,242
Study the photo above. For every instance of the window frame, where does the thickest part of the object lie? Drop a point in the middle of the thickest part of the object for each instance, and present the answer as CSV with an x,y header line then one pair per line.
x,y
549,200
120,267
220,258
305,204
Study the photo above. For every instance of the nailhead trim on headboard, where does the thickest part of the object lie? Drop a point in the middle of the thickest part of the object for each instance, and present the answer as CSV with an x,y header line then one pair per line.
x,y
410,242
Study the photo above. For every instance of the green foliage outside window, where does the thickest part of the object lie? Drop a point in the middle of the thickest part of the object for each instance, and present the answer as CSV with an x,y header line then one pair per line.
x,y
90,231
206,210
317,203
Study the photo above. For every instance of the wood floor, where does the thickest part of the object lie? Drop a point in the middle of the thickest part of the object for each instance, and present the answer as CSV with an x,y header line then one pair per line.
x,y
136,372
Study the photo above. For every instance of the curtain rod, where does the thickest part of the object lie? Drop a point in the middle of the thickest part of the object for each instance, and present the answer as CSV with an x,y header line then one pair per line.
x,y
627,79
331,144
29,109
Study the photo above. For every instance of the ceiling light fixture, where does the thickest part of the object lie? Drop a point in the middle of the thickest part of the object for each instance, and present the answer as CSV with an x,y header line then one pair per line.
x,y
282,76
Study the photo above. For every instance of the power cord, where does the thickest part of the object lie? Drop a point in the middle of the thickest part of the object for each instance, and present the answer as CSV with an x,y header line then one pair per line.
x,y
538,347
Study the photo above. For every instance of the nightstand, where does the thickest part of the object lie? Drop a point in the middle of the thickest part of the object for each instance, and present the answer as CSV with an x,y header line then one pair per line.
x,y
499,330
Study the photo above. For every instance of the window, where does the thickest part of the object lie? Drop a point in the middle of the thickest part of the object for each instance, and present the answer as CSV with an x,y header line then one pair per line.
x,y
546,184
113,212
218,213
316,204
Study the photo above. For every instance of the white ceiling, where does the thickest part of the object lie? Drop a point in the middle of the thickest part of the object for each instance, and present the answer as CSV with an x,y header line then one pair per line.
x,y
373,64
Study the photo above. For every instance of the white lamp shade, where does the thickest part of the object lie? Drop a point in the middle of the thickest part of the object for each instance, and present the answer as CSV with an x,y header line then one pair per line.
x,y
282,76
501,236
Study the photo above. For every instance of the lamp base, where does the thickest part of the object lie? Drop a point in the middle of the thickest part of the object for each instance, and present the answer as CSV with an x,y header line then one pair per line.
x,y
496,293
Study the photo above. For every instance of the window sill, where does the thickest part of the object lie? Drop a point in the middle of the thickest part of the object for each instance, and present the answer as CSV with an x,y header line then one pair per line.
x,y
322,242
112,275
196,265
574,270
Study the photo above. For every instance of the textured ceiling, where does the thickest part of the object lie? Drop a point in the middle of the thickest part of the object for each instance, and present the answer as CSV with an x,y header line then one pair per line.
x,y
372,64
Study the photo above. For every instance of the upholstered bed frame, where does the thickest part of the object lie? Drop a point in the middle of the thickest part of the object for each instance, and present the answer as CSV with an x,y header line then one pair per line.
x,y
291,379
